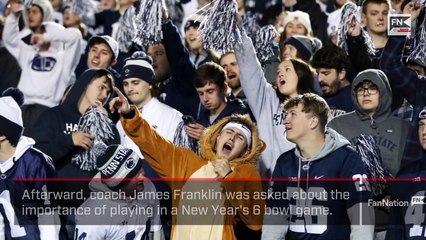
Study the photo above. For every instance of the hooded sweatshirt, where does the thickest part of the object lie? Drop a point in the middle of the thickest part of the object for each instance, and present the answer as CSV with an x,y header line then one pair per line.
x,y
335,160
124,217
16,199
53,134
178,165
45,75
389,132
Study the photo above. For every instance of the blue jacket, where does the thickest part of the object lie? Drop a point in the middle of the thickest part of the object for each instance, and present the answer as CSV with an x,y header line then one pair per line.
x,y
233,106
413,87
315,209
19,198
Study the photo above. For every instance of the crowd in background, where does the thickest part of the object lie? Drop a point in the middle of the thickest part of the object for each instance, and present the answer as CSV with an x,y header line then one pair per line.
x,y
336,54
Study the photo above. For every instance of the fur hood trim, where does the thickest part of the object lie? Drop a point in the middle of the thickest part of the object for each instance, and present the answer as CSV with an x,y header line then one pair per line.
x,y
207,142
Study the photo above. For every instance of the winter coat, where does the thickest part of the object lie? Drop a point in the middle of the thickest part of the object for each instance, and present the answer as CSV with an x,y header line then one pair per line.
x,y
178,164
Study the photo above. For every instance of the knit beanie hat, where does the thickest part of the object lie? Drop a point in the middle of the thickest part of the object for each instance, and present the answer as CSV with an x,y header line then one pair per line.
x,y
11,124
139,66
306,46
300,16
117,165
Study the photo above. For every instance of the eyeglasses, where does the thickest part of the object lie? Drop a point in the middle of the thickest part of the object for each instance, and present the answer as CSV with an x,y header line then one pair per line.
x,y
370,90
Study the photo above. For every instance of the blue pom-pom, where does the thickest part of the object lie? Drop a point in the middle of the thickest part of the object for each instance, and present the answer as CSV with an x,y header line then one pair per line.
x,y
149,22
219,29
16,94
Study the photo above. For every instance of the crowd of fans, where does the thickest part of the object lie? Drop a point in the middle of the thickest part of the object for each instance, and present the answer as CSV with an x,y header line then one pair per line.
x,y
336,98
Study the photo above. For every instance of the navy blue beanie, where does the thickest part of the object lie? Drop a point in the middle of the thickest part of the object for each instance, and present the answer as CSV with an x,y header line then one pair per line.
x,y
139,66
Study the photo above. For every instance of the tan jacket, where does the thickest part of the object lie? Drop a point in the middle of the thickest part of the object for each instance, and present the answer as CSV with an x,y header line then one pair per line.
x,y
177,165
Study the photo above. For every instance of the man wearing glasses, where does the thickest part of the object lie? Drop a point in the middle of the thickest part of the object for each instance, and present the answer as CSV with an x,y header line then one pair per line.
x,y
372,96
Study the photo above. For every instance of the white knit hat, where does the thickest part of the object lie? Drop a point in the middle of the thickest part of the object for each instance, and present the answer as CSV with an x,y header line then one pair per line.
x,y
300,16
11,124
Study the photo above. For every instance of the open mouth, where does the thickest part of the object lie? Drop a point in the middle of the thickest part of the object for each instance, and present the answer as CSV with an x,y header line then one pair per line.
x,y
227,148
281,81
231,75
95,62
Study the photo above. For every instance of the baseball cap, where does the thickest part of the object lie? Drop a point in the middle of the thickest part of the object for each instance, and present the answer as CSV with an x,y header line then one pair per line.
x,y
111,42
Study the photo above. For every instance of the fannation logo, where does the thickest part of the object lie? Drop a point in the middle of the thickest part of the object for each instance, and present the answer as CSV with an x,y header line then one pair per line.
x,y
399,25
418,200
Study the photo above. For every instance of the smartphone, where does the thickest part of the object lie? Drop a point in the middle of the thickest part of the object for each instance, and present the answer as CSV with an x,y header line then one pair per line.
x,y
188,119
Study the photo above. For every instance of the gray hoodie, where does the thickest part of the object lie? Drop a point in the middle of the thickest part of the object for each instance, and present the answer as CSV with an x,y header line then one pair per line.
x,y
388,131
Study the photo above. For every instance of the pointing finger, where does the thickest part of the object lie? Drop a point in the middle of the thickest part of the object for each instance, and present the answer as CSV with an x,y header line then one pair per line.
x,y
119,93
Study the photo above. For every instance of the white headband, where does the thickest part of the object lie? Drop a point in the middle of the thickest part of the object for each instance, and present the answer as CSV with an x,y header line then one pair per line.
x,y
246,131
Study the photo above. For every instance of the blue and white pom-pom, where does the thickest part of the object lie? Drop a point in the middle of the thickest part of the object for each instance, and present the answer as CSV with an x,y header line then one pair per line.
x,y
251,25
182,139
371,157
349,14
86,9
219,29
97,124
127,29
149,22
418,53
263,43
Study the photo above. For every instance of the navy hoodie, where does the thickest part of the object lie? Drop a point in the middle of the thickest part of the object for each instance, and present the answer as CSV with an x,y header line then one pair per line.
x,y
52,133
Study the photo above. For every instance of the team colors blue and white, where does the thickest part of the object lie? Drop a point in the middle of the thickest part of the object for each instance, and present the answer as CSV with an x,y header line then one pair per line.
x,y
45,75
16,197
140,221
347,218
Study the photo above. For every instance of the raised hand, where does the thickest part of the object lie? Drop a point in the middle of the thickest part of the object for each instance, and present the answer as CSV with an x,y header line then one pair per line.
x,y
354,28
413,9
119,103
16,7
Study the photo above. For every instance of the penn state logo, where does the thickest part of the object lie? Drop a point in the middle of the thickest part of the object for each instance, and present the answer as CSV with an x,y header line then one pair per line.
x,y
305,167
130,163
126,72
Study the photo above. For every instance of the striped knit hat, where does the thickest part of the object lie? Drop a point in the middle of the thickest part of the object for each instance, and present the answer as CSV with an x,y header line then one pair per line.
x,y
117,164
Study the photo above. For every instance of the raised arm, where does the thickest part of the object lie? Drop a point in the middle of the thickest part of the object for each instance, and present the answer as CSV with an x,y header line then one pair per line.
x,y
182,68
167,159
253,81
11,39
71,40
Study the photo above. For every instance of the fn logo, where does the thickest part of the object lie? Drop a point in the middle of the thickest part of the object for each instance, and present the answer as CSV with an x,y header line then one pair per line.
x,y
399,25
418,200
